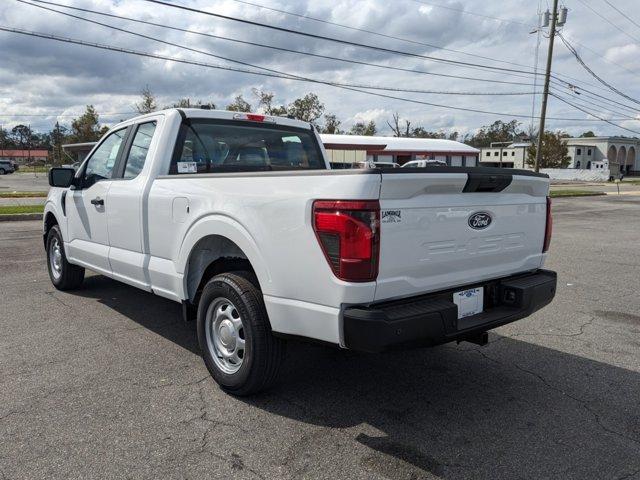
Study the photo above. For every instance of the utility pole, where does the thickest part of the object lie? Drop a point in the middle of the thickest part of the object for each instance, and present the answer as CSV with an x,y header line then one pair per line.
x,y
545,94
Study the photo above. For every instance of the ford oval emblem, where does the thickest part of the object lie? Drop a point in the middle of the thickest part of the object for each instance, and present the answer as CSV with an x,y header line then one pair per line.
x,y
479,220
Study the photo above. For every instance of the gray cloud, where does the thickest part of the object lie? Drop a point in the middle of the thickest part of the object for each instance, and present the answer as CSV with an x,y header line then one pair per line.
x,y
40,77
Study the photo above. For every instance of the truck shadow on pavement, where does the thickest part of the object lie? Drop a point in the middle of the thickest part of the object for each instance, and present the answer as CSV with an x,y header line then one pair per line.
x,y
157,314
511,409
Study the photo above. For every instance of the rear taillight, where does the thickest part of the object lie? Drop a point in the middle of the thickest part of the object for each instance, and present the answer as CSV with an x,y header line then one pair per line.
x,y
349,234
548,228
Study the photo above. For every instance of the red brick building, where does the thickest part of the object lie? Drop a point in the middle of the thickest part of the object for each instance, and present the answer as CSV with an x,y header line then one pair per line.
x,y
24,157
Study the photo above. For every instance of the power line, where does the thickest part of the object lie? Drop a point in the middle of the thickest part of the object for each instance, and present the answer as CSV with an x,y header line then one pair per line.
x,y
247,64
48,36
558,76
593,115
595,96
601,56
342,41
466,12
282,49
622,13
613,24
587,102
592,73
379,34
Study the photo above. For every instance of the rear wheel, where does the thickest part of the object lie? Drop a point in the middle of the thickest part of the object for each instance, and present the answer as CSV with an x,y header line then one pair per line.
x,y
2,171
235,337
63,275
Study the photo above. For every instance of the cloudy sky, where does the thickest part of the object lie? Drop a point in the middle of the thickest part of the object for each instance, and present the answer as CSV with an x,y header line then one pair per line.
x,y
42,80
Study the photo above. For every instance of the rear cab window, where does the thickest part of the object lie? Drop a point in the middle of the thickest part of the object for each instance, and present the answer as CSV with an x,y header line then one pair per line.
x,y
218,146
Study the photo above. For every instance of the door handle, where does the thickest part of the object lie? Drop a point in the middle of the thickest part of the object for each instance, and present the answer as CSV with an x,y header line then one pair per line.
x,y
97,201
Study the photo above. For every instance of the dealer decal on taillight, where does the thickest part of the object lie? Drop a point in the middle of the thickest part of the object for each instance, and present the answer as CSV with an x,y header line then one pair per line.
x,y
349,234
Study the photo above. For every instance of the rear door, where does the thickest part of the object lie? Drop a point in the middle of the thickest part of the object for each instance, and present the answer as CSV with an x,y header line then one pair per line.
x,y
126,206
442,230
88,238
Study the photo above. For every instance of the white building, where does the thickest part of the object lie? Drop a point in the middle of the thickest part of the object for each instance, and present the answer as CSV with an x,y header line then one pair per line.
x,y
348,149
505,155
620,152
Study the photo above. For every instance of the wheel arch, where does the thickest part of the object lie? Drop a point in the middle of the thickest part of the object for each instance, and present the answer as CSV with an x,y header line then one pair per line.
x,y
49,221
216,245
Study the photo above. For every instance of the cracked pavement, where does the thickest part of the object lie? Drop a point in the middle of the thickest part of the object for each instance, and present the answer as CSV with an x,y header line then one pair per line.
x,y
106,382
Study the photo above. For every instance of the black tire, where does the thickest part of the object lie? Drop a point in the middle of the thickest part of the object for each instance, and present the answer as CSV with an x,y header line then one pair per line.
x,y
2,171
263,353
69,276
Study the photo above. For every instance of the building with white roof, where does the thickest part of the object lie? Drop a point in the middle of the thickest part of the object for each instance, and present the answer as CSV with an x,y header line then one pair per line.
x,y
505,155
349,149
618,154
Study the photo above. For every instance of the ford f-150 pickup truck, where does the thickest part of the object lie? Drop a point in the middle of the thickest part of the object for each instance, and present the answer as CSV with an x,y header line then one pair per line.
x,y
238,217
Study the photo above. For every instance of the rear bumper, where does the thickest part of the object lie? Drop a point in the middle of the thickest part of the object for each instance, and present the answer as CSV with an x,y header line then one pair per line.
x,y
433,319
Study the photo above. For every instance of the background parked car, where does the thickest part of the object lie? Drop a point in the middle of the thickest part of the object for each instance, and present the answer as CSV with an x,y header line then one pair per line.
x,y
6,166
424,163
370,164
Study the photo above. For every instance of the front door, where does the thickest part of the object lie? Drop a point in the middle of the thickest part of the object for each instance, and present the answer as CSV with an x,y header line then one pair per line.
x,y
125,214
88,235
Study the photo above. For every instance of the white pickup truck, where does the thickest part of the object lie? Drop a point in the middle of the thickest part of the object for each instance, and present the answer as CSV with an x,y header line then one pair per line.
x,y
239,217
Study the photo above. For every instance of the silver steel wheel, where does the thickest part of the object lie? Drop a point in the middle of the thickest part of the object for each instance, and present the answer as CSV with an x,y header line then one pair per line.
x,y
225,335
55,257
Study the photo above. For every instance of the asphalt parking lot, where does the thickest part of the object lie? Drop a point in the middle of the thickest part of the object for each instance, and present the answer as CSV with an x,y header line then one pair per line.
x,y
24,181
106,382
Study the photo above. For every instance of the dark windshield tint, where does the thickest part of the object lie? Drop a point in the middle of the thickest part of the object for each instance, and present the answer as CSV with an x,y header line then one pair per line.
x,y
206,146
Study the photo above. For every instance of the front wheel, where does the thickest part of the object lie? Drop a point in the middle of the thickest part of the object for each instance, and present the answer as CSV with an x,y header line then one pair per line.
x,y
2,171
235,337
63,275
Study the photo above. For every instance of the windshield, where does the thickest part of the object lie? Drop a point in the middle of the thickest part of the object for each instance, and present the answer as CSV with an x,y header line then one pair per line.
x,y
208,146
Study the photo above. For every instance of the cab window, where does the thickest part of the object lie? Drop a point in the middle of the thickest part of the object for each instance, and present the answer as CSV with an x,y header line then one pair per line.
x,y
218,146
139,149
100,165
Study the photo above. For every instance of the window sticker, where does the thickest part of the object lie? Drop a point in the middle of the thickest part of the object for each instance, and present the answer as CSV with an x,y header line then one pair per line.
x,y
187,167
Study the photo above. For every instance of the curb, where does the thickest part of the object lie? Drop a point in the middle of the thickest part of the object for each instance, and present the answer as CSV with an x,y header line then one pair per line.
x,y
592,194
20,216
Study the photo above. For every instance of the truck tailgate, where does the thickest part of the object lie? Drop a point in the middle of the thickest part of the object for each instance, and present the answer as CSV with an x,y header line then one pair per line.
x,y
441,230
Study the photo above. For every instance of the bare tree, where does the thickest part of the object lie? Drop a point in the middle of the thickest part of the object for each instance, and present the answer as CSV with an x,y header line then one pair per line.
x,y
148,101
398,131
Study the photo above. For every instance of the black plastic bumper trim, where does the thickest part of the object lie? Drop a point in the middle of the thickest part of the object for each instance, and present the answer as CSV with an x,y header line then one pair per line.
x,y
432,319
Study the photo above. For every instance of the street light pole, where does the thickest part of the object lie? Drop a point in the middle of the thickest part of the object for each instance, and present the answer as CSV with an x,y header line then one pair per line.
x,y
545,93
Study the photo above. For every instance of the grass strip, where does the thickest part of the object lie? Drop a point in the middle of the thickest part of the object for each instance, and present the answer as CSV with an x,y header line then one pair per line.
x,y
570,192
15,209
23,194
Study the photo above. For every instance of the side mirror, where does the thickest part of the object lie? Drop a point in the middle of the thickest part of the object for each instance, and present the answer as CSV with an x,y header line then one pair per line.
x,y
61,177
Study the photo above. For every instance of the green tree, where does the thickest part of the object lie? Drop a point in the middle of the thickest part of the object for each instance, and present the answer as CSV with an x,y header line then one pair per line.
x,y
498,131
86,128
239,104
308,108
22,136
57,137
331,124
555,153
5,139
188,103
362,128
265,103
148,102
588,134
420,132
